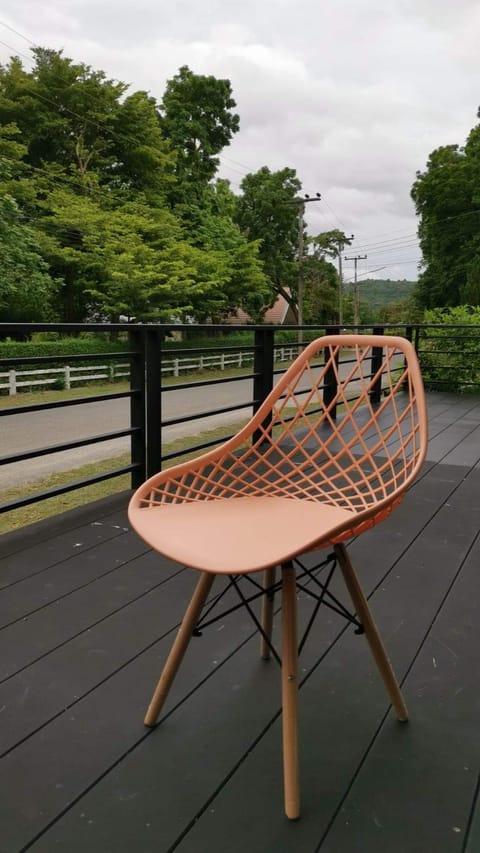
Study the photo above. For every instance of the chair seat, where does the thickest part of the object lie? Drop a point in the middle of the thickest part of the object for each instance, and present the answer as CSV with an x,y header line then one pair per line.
x,y
238,535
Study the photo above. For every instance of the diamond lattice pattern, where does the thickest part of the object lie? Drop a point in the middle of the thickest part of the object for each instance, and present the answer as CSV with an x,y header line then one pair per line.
x,y
318,437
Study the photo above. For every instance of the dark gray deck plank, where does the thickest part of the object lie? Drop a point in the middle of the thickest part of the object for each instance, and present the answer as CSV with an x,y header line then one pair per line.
x,y
47,772
75,667
80,610
466,453
434,770
93,604
341,708
472,840
85,774
62,526
38,591
116,818
42,556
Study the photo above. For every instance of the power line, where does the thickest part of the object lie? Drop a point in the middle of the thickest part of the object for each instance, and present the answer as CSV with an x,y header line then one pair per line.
x,y
17,52
67,180
334,214
389,245
12,30
393,242
367,272
374,240
450,218
98,124
392,249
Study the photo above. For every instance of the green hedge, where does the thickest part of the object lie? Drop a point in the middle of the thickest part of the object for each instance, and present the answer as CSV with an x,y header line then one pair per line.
x,y
450,352
89,343
63,347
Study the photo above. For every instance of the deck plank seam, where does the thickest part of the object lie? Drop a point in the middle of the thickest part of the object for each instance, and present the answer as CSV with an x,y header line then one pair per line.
x,y
474,803
94,625
402,683
55,601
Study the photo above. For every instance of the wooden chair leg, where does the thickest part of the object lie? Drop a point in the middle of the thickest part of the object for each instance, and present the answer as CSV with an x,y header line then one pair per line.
x,y
179,647
267,612
289,692
371,632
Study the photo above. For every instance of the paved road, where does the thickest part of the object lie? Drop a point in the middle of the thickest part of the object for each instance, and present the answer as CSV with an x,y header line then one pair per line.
x,y
26,432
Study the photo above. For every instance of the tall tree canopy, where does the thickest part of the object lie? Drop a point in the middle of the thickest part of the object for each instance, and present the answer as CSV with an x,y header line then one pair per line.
x,y
447,199
321,277
99,216
197,118
266,211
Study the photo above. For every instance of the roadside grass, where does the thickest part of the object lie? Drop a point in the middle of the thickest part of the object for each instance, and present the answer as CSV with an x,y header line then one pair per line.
x,y
15,519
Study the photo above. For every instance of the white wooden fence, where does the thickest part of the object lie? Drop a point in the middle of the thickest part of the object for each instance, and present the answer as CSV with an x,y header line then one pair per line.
x,y
64,377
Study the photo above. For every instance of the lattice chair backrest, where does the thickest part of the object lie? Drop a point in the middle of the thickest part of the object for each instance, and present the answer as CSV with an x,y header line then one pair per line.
x,y
345,424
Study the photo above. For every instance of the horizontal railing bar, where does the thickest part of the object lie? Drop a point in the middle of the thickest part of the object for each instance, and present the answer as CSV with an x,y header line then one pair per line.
x,y
68,445
70,487
76,401
43,359
167,351
167,456
208,414
281,370
182,386
8,329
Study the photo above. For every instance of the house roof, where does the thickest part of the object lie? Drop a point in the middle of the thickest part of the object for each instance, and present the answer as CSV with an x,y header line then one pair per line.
x,y
276,314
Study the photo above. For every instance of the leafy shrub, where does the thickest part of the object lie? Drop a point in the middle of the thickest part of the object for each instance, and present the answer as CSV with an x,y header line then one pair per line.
x,y
61,348
449,350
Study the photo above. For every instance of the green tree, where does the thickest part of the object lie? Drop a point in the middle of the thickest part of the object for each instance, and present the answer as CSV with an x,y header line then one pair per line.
x,y
26,288
447,200
93,180
320,283
213,229
198,120
76,118
266,211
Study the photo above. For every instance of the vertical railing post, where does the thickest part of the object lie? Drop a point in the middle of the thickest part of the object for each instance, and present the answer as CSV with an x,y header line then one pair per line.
x,y
330,384
153,378
137,405
263,362
375,392
409,337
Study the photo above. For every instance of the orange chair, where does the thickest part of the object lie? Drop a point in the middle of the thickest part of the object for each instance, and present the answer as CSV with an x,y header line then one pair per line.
x,y
328,455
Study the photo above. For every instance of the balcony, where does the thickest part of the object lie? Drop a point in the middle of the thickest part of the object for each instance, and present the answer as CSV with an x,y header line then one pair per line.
x,y
88,614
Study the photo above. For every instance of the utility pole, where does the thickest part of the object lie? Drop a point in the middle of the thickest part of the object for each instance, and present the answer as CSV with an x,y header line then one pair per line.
x,y
356,292
341,246
301,202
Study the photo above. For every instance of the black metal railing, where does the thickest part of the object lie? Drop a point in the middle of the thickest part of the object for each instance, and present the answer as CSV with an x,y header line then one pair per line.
x,y
449,356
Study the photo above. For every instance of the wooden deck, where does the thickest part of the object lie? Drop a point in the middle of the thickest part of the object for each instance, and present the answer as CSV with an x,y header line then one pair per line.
x,y
88,614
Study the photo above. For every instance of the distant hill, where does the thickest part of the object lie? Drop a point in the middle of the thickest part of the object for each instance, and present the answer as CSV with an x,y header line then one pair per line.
x,y
378,291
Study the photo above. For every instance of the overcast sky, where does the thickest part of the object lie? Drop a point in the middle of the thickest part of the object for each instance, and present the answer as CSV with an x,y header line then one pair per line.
x,y
353,94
